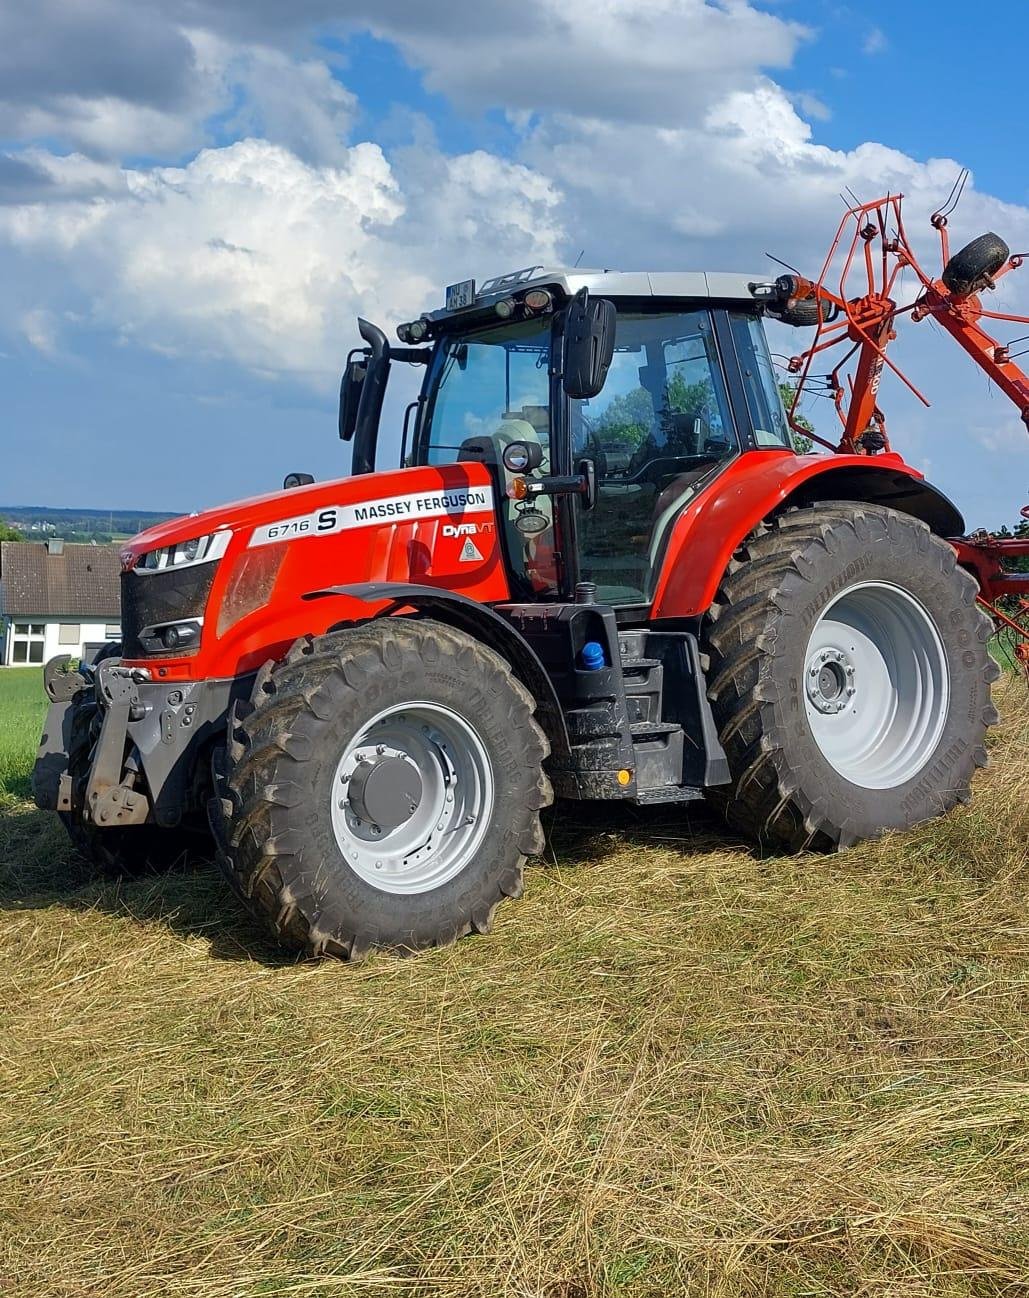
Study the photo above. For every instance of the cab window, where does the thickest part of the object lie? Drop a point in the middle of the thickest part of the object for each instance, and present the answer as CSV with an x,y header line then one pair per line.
x,y
659,428
759,382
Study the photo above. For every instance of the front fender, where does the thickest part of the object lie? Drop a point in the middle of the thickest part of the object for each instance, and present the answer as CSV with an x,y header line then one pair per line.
x,y
381,598
707,533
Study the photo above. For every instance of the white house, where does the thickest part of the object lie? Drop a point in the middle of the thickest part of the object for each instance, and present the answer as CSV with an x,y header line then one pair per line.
x,y
56,598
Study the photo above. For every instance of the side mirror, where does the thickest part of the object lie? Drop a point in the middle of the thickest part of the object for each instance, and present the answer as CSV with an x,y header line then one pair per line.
x,y
350,393
297,480
589,344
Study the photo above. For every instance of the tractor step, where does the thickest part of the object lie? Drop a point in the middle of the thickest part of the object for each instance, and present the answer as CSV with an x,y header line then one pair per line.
x,y
658,748
672,793
639,664
643,730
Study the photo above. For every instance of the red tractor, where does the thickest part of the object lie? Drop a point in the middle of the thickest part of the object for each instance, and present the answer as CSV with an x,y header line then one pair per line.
x,y
601,571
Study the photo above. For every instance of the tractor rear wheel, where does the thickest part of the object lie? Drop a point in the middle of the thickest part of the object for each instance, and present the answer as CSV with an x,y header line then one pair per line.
x,y
849,677
382,789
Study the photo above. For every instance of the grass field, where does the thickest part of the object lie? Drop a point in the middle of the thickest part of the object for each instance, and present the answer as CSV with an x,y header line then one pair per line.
x,y
674,1068
22,709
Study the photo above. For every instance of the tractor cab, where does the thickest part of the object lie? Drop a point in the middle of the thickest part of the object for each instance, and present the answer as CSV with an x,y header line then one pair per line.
x,y
603,403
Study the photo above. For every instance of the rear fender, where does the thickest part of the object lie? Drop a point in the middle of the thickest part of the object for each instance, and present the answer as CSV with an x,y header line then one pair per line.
x,y
380,599
761,483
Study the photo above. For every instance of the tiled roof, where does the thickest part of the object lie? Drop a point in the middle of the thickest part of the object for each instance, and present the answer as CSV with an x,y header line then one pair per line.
x,y
79,581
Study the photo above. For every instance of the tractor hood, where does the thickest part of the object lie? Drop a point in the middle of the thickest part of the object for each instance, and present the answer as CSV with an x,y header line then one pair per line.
x,y
388,495
215,594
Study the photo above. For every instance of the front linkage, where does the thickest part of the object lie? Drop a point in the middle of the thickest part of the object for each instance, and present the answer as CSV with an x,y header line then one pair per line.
x,y
120,750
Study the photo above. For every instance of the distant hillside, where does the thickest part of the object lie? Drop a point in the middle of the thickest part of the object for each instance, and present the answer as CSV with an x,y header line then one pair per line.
x,y
40,521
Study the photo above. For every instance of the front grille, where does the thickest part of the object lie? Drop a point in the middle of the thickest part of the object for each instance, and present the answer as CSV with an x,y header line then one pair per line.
x,y
168,595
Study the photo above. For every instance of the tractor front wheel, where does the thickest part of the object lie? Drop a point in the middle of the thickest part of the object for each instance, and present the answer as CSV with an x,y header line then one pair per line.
x,y
849,677
383,789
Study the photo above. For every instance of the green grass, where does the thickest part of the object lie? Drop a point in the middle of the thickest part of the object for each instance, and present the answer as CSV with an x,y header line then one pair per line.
x,y
673,1069
22,709
1002,648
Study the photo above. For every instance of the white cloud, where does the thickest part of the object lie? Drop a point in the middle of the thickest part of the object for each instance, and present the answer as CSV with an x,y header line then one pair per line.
x,y
249,253
108,126
113,111
125,77
628,60
40,330
649,132
875,42
296,102
811,105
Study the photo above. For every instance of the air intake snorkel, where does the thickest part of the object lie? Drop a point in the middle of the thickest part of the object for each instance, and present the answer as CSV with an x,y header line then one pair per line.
x,y
363,389
373,392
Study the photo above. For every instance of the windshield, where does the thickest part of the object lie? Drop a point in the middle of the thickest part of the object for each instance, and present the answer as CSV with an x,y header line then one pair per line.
x,y
486,390
491,384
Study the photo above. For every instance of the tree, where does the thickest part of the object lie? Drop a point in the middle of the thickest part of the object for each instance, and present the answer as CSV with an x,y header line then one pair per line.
x,y
8,533
628,418
1004,533
801,444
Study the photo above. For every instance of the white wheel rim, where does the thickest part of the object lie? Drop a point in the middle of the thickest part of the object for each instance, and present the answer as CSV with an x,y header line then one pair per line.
x,y
876,685
422,770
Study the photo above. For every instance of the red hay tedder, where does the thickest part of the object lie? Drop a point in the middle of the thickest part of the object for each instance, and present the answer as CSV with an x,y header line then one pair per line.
x,y
863,323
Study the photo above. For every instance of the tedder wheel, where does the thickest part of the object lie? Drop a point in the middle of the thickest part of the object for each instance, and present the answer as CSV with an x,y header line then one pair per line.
x,y
975,264
803,313
383,789
849,677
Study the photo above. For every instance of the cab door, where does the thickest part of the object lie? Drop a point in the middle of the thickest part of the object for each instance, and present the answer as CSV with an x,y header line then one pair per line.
x,y
661,426
484,390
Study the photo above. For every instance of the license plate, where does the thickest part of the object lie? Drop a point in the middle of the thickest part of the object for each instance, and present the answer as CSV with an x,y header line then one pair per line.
x,y
460,295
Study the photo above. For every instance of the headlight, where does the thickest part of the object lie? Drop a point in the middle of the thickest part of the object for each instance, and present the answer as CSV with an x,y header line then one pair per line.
x,y
184,554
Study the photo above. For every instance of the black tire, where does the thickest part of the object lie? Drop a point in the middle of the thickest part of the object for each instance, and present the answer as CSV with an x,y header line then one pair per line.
x,y
281,852
132,850
975,265
785,793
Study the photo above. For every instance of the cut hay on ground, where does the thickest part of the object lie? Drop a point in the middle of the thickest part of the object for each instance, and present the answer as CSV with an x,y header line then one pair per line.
x,y
673,1069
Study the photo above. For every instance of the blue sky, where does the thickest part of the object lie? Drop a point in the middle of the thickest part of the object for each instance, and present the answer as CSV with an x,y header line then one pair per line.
x,y
197,198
